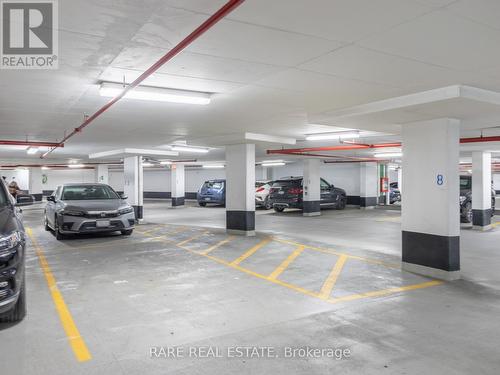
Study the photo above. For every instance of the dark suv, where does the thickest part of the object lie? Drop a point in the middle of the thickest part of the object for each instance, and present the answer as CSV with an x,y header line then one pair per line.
x,y
12,255
287,193
466,199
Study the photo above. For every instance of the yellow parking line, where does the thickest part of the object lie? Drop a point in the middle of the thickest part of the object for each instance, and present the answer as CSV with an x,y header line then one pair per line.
x,y
495,224
251,251
182,243
217,245
379,293
75,339
330,282
284,265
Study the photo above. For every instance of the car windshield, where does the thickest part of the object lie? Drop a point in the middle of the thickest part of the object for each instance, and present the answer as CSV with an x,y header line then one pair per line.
x,y
214,185
465,183
88,192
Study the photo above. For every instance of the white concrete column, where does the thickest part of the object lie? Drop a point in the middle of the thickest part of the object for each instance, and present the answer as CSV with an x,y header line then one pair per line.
x,y
430,205
240,189
369,183
101,174
311,187
133,183
481,190
178,184
35,182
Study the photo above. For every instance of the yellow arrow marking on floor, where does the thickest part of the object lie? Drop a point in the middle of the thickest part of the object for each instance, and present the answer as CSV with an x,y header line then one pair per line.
x,y
76,341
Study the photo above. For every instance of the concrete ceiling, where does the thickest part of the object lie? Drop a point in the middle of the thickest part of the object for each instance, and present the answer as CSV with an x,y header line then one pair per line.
x,y
276,68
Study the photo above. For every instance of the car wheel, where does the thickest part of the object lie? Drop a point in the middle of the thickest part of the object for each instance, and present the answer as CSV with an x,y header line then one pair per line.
x,y
342,203
467,218
59,235
19,311
267,204
46,223
127,232
202,204
279,209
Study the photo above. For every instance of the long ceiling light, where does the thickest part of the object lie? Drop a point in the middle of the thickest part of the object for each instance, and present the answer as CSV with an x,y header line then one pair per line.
x,y
76,165
388,155
276,163
158,94
32,150
213,166
333,135
186,148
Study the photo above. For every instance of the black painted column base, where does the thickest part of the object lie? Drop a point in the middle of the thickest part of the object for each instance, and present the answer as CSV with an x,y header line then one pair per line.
x,y
177,201
311,208
368,202
139,212
432,255
240,222
481,219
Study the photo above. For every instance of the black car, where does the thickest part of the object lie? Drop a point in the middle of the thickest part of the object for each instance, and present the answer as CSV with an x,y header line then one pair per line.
x,y
466,199
12,258
287,193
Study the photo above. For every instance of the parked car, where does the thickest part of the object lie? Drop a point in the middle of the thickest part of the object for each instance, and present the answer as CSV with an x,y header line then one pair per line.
x,y
466,199
262,189
394,194
12,258
287,193
88,208
212,191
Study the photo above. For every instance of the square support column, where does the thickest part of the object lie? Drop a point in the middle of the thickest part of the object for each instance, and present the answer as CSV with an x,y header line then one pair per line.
x,y
368,185
102,174
35,181
481,190
133,183
430,205
178,184
311,188
240,189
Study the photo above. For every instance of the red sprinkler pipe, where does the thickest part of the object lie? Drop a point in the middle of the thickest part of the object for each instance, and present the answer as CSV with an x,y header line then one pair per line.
x,y
216,17
30,143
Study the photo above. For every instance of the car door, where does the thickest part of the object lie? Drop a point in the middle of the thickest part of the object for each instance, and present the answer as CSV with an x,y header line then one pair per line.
x,y
326,196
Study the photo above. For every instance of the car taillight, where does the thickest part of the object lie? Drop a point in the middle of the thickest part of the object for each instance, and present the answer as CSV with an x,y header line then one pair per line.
x,y
295,191
259,190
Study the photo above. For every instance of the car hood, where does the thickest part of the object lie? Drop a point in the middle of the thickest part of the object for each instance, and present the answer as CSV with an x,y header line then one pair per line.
x,y
96,205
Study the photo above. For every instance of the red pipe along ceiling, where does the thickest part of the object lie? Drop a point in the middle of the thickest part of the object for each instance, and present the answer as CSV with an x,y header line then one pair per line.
x,y
311,151
216,17
30,143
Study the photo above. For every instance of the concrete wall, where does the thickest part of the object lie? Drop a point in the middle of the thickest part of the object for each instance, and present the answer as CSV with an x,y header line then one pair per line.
x,y
496,181
21,176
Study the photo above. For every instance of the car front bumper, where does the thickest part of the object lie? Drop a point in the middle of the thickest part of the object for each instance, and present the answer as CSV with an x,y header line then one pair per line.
x,y
78,224
210,199
12,273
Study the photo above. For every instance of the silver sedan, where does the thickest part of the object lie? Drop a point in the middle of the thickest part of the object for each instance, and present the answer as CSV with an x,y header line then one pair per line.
x,y
88,208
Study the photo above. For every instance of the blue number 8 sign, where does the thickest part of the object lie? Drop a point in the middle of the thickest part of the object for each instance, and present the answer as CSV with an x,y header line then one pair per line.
x,y
440,179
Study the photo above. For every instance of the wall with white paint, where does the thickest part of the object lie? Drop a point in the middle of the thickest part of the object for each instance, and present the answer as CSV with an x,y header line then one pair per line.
x,y
496,181
21,176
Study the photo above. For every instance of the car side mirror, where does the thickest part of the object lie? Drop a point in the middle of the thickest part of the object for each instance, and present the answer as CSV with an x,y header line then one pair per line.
x,y
51,198
24,200
123,196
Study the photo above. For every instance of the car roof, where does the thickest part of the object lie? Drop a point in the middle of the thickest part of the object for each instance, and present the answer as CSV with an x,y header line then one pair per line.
x,y
84,184
216,180
290,178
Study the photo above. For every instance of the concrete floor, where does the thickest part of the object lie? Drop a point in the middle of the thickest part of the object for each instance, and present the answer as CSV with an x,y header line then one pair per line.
x,y
179,280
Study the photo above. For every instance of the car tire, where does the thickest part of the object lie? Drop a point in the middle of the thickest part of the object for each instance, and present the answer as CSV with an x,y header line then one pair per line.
x,y
19,311
467,218
58,234
127,232
279,209
267,204
342,203
46,223
202,204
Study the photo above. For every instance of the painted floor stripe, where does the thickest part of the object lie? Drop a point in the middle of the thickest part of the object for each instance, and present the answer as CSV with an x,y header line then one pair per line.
x,y
182,243
76,341
217,245
332,278
251,251
283,266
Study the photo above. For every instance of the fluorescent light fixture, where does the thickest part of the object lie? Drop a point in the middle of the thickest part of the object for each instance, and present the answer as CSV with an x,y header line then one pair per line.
x,y
147,164
165,162
32,150
158,94
185,148
45,168
273,164
214,166
389,155
334,135
76,165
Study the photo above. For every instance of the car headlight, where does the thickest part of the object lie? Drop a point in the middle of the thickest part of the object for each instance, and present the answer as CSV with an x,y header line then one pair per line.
x,y
72,213
462,199
125,210
9,243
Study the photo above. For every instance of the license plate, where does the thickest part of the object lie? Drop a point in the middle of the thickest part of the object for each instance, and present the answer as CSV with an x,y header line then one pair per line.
x,y
281,192
207,199
102,223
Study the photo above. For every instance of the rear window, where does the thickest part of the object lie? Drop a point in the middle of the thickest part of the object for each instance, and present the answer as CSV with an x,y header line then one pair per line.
x,y
465,183
88,192
214,185
259,184
287,183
